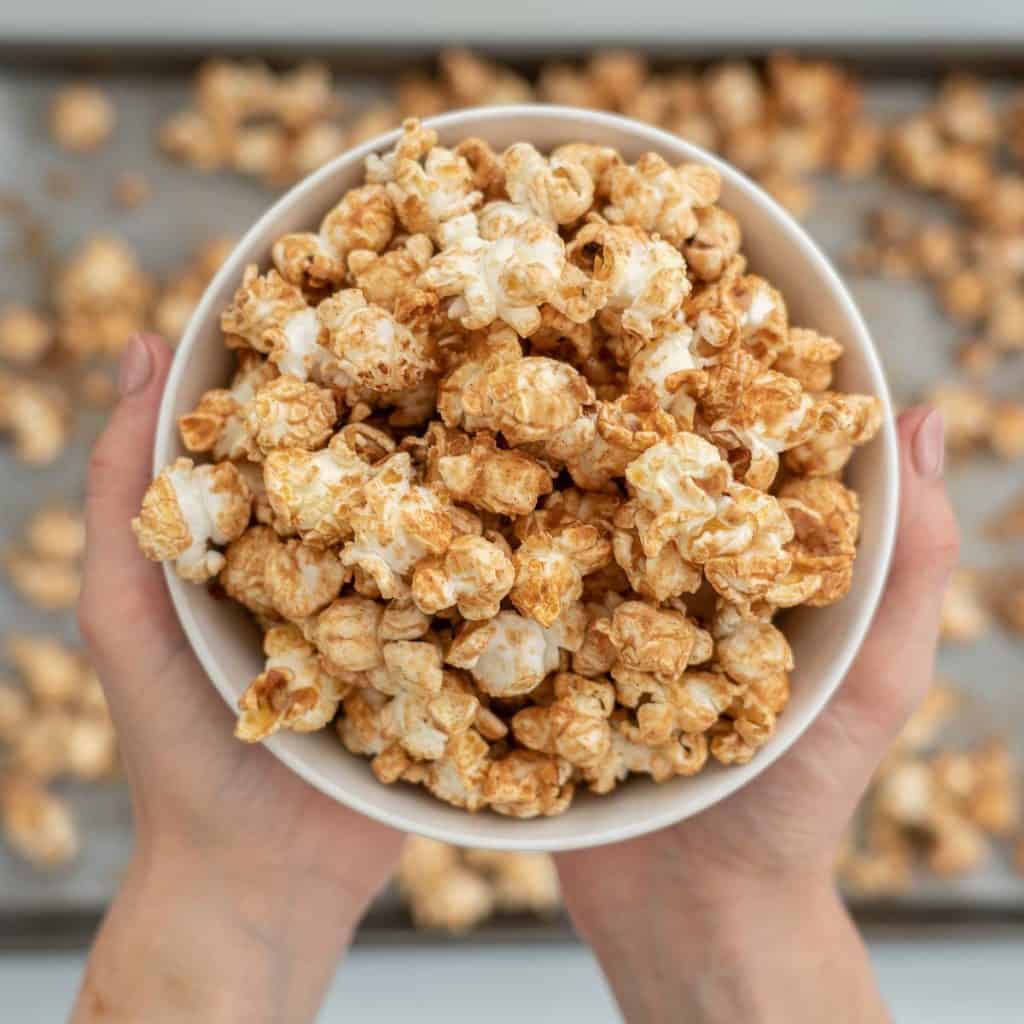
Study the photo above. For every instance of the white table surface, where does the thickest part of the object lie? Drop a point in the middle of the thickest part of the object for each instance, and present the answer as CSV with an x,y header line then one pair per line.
x,y
978,978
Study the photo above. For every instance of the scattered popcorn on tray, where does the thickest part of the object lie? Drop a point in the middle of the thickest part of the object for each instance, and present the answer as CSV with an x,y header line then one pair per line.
x,y
34,415
965,614
130,190
37,823
417,383
178,298
82,118
931,806
26,334
102,298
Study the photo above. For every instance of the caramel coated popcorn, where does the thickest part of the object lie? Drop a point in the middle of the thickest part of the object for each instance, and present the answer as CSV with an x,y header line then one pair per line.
x,y
493,425
82,118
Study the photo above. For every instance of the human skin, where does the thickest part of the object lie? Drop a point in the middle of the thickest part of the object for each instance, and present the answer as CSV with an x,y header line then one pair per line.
x,y
246,884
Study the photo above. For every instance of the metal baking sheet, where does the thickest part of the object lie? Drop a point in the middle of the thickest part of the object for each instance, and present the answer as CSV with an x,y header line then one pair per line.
x,y
186,208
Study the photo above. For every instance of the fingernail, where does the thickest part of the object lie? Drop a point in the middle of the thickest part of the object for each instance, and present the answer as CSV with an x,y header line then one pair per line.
x,y
929,446
136,368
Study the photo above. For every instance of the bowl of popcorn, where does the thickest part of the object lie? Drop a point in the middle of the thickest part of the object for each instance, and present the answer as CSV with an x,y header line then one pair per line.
x,y
500,495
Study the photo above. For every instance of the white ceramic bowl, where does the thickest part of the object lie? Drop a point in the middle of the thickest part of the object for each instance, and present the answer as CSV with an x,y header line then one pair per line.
x,y
824,640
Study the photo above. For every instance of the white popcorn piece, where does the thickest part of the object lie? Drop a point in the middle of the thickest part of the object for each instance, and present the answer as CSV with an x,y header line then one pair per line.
x,y
397,523
293,692
314,493
473,575
508,655
661,199
645,277
186,510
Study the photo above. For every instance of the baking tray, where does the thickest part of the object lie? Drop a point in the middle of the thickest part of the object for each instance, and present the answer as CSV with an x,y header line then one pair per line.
x,y
186,208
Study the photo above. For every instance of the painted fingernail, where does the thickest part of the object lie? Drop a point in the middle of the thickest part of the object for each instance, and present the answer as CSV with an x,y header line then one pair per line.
x,y
136,368
929,446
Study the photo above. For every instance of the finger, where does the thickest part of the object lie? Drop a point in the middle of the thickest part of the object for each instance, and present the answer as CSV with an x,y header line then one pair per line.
x,y
895,666
123,594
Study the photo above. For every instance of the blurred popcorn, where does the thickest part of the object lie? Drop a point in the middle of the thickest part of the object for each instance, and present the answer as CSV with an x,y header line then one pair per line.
x,y
82,118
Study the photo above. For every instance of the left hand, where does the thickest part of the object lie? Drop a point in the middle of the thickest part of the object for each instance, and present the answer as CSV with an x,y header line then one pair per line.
x,y
222,826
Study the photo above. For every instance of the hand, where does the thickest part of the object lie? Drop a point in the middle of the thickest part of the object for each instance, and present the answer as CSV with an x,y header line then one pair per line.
x,y
224,830
739,901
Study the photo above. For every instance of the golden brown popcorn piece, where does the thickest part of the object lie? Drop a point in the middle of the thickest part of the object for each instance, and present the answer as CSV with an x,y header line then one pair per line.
x,y
35,416
966,412
574,726
677,484
420,717
826,520
217,424
473,575
458,778
714,243
550,567
658,577
82,118
385,277
25,334
441,892
624,428
37,824
290,413
685,754
965,616
243,576
92,747
760,412
48,583
510,655
531,400
506,277
476,471
397,522
757,656
102,298
56,531
41,749
659,642
845,421
300,579
188,508
808,356
660,199
364,220
734,94
53,672
346,633
521,881
556,189
528,784
1006,431
195,139
293,692
644,277
314,493
371,348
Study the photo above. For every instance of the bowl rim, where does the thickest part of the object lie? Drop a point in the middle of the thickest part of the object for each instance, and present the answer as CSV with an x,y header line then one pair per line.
x,y
738,775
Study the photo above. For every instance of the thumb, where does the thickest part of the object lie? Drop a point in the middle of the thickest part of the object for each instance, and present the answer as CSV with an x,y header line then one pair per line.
x,y
895,666
123,594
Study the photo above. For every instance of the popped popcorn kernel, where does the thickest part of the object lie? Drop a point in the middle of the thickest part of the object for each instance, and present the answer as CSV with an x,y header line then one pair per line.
x,y
37,823
290,413
845,421
300,579
473,575
293,692
25,334
314,493
82,118
550,567
186,509
528,784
